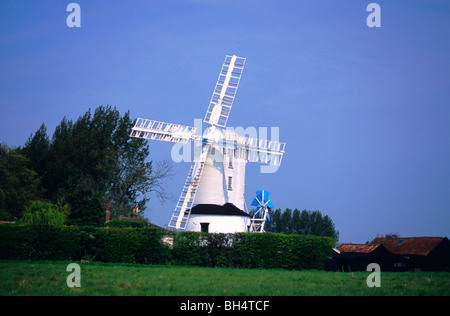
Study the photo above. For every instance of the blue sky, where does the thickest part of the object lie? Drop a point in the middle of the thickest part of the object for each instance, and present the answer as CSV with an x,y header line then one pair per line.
x,y
364,111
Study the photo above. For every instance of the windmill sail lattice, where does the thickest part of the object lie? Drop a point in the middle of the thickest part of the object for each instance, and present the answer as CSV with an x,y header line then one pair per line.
x,y
214,140
225,91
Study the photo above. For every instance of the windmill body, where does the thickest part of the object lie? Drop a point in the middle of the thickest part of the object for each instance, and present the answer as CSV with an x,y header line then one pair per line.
x,y
225,171
212,198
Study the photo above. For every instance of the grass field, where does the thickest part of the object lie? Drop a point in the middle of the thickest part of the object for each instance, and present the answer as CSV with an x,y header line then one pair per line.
x,y
49,278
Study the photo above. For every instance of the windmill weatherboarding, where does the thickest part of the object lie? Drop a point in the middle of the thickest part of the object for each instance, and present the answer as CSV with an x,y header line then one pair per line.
x,y
214,189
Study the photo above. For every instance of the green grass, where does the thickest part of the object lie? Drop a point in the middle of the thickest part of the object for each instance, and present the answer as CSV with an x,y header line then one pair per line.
x,y
49,278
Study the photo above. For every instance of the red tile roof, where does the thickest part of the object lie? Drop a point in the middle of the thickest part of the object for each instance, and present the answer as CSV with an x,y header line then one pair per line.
x,y
409,245
358,248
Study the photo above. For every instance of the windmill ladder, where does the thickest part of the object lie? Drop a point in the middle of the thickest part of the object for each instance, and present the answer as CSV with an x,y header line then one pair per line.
x,y
182,211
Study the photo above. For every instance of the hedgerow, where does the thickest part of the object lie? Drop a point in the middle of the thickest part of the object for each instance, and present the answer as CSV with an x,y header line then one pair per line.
x,y
146,246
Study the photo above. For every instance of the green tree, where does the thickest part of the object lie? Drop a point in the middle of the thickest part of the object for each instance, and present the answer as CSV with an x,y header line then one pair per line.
x,y
36,150
303,223
42,213
60,169
296,221
132,177
274,225
96,156
86,208
286,222
18,183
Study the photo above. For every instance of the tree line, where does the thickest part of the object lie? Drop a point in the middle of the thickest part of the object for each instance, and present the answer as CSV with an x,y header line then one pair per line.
x,y
83,166
304,222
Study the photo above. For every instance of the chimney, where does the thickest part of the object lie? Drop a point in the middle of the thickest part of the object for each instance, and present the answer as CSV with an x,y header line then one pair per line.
x,y
135,213
107,214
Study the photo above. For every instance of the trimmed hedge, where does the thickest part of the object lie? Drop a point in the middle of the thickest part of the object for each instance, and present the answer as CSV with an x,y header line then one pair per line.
x,y
202,249
144,245
34,242
39,242
275,250
136,245
251,250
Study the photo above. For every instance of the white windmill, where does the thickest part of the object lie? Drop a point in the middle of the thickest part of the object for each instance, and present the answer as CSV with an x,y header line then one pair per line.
x,y
212,198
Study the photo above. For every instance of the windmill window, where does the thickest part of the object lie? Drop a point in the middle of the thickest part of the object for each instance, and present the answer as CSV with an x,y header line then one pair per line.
x,y
204,227
230,183
230,164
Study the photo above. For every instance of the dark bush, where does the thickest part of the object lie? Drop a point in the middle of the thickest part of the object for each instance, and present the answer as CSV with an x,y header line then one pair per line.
x,y
135,245
39,242
144,245
250,250
125,223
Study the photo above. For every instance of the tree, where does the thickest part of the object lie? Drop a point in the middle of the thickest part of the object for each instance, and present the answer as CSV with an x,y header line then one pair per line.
x,y
274,225
390,235
42,213
304,223
36,150
286,222
86,208
296,221
132,176
59,168
18,183
95,156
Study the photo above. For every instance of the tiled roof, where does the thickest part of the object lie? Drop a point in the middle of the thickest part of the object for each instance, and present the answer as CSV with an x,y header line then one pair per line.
x,y
358,248
409,245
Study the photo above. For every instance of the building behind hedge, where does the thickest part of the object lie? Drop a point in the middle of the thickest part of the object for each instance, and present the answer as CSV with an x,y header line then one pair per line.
x,y
394,254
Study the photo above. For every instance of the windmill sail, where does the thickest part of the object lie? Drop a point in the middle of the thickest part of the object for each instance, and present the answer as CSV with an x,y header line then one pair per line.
x,y
168,132
225,91
255,150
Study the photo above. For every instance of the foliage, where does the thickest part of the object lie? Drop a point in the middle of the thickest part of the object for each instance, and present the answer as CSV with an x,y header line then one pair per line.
x,y
125,223
39,242
303,223
145,245
96,154
135,245
202,249
84,165
42,213
18,183
42,242
36,149
251,250
87,208
274,250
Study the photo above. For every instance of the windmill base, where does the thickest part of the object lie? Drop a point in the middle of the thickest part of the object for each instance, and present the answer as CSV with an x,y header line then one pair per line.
x,y
213,218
